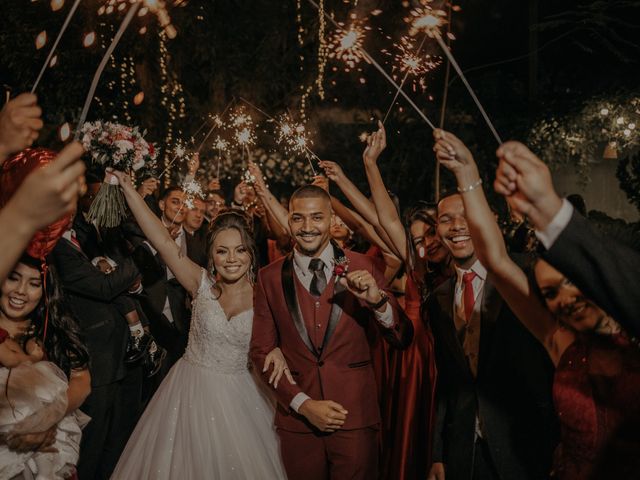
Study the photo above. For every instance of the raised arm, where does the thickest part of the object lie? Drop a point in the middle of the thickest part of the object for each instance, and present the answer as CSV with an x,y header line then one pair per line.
x,y
360,203
187,272
270,202
359,225
46,195
509,279
385,208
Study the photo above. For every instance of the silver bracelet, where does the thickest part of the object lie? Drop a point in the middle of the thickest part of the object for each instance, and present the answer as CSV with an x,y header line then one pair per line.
x,y
471,187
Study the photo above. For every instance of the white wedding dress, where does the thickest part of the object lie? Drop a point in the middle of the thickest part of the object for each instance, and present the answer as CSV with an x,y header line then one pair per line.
x,y
210,418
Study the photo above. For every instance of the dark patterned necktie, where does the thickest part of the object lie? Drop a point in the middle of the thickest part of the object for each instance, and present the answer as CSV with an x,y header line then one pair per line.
x,y
319,280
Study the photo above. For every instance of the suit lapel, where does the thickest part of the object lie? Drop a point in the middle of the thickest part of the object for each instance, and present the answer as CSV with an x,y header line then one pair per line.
x,y
447,325
289,289
491,304
337,300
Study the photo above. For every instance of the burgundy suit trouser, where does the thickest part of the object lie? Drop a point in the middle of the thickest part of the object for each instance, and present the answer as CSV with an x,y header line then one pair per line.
x,y
344,454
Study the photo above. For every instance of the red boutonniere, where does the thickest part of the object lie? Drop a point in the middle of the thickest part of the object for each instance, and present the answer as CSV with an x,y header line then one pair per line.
x,y
340,266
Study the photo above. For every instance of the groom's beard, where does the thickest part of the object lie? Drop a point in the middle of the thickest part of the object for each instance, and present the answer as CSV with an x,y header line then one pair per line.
x,y
309,251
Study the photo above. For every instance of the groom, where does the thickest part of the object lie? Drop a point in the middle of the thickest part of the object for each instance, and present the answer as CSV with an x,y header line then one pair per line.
x,y
328,420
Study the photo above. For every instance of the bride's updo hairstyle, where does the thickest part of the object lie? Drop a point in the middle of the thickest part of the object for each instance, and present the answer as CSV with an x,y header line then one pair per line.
x,y
236,220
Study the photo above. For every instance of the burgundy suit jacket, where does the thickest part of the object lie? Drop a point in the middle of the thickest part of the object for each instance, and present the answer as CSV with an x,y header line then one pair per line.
x,y
341,370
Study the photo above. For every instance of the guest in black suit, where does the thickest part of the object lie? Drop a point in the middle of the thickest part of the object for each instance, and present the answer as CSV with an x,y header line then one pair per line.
x,y
114,402
606,271
163,300
494,413
196,228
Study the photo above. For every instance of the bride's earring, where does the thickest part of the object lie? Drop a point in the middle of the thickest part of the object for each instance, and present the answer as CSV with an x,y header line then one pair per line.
x,y
251,275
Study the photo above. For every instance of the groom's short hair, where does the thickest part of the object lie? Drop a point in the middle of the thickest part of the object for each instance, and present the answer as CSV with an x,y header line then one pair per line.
x,y
310,191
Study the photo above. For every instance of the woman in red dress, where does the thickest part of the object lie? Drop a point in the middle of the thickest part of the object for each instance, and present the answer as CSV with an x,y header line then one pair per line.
x,y
597,380
407,405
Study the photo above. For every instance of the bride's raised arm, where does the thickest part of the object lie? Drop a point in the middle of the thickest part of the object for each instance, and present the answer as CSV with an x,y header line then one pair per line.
x,y
489,246
186,272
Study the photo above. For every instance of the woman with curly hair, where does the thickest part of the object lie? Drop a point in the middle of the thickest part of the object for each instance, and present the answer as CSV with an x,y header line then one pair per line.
x,y
43,388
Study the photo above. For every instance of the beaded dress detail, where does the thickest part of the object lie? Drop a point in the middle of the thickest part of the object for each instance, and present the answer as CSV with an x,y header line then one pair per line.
x,y
211,417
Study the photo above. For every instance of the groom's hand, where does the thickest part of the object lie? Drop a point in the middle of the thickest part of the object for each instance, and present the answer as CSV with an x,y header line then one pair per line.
x,y
362,284
326,415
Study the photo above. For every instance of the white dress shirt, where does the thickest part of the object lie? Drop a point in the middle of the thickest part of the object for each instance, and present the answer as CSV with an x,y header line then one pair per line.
x,y
550,234
181,242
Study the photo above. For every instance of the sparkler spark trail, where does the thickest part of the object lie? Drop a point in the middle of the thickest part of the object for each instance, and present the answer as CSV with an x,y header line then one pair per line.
x,y
217,123
299,141
103,63
411,64
55,44
368,58
429,21
346,45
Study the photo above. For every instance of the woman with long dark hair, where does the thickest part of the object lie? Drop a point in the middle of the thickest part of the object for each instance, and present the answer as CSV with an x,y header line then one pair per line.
x,y
45,395
209,418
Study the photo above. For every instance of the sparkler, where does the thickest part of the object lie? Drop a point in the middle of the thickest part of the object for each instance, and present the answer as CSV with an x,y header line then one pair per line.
x,y
429,21
103,63
369,59
223,147
346,45
299,141
55,44
411,64
217,123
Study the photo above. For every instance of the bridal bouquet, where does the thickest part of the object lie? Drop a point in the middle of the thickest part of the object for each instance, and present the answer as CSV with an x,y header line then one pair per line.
x,y
116,146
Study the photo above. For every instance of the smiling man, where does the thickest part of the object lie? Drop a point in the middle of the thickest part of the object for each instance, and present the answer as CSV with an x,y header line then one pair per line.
x,y
494,414
327,421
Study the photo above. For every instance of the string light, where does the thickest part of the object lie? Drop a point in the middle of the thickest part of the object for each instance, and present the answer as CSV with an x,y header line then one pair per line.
x,y
56,5
89,39
41,39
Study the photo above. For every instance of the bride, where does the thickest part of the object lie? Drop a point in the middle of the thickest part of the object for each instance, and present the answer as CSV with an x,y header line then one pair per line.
x,y
209,418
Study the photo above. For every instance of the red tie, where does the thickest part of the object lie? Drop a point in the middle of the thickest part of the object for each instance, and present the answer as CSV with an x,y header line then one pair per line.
x,y
467,294
75,241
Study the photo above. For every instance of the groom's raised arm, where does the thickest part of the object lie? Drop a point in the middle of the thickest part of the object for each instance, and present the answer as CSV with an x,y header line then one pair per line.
x,y
264,338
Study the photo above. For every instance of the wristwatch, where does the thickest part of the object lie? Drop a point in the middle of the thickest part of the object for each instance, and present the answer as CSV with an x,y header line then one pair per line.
x,y
381,302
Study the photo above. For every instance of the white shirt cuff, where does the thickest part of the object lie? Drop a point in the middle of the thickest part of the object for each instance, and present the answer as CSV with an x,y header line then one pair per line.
x,y
385,318
153,250
298,400
551,233
138,289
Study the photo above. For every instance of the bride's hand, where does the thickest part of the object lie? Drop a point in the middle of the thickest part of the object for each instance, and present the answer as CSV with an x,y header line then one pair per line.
x,y
124,180
280,367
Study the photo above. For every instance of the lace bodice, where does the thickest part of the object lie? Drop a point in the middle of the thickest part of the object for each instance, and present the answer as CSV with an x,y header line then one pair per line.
x,y
214,341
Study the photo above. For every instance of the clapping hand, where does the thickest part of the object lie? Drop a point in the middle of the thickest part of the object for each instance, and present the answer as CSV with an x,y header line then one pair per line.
x,y
280,367
20,123
376,143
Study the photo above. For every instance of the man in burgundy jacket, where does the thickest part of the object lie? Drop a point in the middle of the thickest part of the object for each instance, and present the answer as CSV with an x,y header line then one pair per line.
x,y
328,421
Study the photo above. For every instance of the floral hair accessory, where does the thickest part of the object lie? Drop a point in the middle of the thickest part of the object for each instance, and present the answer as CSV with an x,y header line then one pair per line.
x,y
340,266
